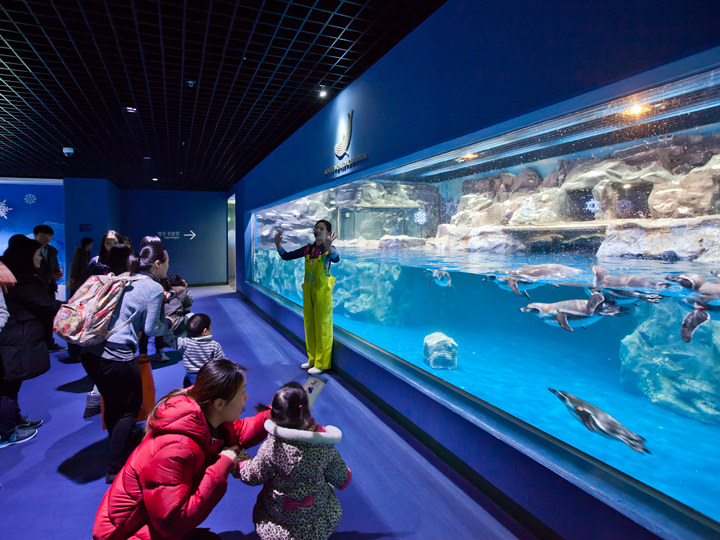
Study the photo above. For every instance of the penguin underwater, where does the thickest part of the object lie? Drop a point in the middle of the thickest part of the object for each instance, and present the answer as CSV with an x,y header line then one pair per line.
x,y
705,296
577,312
441,278
598,421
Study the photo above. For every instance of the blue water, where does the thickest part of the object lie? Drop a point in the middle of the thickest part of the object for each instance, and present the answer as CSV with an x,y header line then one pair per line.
x,y
509,359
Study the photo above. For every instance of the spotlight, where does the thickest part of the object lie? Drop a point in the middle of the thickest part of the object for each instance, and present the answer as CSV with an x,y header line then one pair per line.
x,y
323,92
130,109
155,179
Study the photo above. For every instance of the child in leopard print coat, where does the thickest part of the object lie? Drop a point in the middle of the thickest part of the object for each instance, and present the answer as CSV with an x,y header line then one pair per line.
x,y
298,466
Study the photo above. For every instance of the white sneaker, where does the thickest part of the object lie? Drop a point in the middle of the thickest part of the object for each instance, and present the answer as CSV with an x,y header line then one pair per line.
x,y
306,365
162,357
314,371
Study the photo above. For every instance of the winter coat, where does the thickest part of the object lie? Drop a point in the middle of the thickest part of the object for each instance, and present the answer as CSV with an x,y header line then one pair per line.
x,y
177,307
49,265
176,476
298,469
78,269
23,349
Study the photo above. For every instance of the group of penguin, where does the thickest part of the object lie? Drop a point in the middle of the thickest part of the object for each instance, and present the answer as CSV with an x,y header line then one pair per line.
x,y
609,295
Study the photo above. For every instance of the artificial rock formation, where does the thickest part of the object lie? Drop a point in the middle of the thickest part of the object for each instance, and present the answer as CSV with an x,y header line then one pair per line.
x,y
656,362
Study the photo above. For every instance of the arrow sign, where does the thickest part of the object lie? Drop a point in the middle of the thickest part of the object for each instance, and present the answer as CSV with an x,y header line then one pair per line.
x,y
191,235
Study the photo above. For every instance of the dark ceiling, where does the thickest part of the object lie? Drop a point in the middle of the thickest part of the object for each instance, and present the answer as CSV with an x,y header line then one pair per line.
x,y
216,85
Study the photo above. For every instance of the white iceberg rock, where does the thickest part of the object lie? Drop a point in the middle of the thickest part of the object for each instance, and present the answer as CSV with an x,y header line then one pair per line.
x,y
440,351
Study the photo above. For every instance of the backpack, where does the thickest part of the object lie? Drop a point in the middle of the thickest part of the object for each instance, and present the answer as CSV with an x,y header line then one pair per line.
x,y
84,320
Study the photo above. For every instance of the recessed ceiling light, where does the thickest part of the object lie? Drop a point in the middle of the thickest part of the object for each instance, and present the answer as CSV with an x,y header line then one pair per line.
x,y
155,179
147,157
130,109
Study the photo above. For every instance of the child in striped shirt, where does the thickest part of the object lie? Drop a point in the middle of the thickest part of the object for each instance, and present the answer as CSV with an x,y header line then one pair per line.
x,y
198,347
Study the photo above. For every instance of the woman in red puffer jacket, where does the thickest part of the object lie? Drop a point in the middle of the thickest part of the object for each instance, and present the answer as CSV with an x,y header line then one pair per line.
x,y
173,480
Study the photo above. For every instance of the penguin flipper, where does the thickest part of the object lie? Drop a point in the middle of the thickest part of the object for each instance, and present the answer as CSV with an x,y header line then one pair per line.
x,y
594,302
586,419
512,283
562,320
691,321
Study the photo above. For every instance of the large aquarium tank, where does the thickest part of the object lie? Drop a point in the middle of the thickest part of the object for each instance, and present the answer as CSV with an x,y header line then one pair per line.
x,y
567,273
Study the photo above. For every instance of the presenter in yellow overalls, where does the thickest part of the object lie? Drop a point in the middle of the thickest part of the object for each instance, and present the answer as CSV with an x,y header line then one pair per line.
x,y
317,293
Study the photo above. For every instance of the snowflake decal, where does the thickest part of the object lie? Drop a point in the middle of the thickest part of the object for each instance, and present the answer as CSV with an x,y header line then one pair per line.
x,y
420,217
4,209
30,199
593,205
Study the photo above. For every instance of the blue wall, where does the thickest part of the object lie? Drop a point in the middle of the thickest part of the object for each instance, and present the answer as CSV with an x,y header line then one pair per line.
x,y
96,205
174,216
30,204
92,207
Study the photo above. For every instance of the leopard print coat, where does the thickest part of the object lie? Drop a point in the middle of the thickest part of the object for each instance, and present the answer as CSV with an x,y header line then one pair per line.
x,y
298,469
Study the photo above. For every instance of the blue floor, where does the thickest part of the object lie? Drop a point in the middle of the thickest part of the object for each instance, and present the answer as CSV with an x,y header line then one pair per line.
x,y
53,484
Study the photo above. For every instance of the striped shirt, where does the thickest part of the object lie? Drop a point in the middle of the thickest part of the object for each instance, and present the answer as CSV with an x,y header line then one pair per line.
x,y
198,351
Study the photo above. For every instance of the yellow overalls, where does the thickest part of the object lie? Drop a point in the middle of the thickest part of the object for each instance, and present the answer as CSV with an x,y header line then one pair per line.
x,y
317,311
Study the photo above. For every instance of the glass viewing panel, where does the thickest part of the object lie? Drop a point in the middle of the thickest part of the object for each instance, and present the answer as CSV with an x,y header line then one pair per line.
x,y
562,272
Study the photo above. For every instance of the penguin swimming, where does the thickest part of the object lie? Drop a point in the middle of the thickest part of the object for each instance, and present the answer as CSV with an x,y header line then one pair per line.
x,y
699,314
624,288
527,276
698,284
441,278
569,313
598,421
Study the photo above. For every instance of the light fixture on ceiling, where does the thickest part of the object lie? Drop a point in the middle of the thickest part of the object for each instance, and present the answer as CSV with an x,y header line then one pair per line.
x,y
190,83
147,157
130,109
155,179
323,92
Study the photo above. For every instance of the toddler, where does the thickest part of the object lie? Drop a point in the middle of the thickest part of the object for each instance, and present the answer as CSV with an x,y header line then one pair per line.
x,y
298,465
198,348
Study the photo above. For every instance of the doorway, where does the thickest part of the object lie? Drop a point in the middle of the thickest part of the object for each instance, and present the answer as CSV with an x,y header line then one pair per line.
x,y
231,262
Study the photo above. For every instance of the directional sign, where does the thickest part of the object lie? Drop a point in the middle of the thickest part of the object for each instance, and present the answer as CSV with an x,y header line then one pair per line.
x,y
191,235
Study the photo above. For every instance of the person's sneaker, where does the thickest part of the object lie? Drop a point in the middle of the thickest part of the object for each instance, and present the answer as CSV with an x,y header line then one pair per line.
x,y
314,371
160,356
57,348
26,423
93,405
306,365
18,436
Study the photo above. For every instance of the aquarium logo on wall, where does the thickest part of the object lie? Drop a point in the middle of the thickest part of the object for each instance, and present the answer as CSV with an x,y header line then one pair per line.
x,y
342,149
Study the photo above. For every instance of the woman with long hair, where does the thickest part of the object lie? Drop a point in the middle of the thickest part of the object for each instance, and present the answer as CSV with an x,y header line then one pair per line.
x,y
99,264
178,474
112,364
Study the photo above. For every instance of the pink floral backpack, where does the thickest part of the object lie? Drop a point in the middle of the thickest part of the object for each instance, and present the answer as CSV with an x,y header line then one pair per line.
x,y
84,320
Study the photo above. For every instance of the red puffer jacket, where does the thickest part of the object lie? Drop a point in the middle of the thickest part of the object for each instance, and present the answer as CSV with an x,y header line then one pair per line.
x,y
173,480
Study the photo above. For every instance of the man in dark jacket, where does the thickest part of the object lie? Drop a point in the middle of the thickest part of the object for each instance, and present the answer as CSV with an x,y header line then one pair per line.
x,y
23,351
50,272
